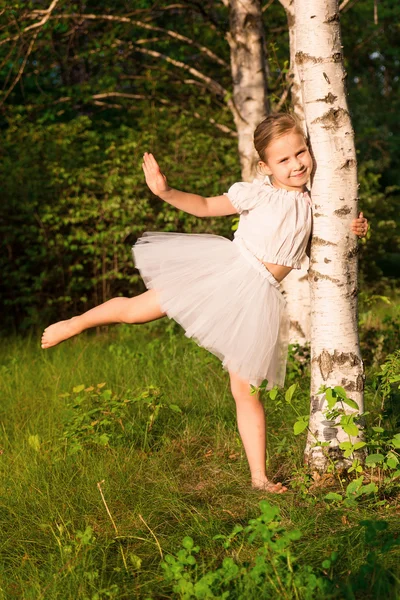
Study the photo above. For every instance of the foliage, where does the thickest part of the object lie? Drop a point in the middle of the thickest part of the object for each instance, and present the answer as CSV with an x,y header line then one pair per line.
x,y
69,228
274,571
190,480
96,416
84,96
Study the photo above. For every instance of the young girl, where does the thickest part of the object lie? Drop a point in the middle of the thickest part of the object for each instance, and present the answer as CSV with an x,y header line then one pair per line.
x,y
226,294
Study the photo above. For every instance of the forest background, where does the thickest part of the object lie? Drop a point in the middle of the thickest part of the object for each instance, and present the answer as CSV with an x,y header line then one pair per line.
x,y
86,97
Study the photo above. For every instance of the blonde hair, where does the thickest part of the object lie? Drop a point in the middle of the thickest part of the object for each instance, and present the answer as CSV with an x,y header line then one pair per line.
x,y
273,127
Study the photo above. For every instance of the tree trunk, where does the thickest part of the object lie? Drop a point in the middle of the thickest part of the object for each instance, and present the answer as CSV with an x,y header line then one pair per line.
x,y
335,354
249,76
296,286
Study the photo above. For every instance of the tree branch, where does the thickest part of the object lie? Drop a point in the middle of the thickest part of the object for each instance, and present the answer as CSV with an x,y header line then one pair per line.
x,y
120,19
21,69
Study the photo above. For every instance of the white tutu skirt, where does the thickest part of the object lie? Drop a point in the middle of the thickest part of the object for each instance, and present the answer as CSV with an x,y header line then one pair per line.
x,y
223,297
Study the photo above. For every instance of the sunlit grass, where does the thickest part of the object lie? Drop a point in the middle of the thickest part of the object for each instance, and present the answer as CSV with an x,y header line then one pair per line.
x,y
189,477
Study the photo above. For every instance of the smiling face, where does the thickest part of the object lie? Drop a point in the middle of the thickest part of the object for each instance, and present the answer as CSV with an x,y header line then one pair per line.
x,y
288,162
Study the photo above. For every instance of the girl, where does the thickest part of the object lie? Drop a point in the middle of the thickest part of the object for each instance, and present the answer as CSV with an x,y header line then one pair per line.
x,y
226,294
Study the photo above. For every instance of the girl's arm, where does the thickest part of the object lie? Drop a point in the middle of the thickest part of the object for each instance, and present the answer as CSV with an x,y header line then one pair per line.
x,y
193,204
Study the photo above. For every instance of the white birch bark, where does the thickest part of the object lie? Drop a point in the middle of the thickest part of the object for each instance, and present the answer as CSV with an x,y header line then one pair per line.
x,y
296,285
335,353
249,76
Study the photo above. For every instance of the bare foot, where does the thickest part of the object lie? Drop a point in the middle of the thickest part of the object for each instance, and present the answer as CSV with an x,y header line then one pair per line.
x,y
59,332
269,487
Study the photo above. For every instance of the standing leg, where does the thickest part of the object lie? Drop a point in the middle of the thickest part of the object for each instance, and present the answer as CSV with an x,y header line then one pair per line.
x,y
139,309
251,425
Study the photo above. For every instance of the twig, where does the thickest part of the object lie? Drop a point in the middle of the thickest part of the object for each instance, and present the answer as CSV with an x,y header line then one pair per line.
x,y
112,521
154,536
266,7
21,70
169,32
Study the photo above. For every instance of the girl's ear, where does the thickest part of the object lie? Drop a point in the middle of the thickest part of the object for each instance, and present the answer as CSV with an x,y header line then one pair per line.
x,y
264,168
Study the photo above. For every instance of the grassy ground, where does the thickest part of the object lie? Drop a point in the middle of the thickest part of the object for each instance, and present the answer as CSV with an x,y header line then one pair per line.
x,y
159,441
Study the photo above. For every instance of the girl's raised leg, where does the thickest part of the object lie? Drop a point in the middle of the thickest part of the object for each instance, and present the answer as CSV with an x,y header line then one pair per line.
x,y
251,425
139,309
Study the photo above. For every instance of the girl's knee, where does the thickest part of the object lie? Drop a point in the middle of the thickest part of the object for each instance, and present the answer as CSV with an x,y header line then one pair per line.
x,y
240,388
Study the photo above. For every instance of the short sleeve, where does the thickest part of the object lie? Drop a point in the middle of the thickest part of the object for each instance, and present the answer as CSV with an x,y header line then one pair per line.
x,y
244,196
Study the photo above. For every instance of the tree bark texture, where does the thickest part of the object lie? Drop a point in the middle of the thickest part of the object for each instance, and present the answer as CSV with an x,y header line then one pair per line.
x,y
296,285
249,76
335,353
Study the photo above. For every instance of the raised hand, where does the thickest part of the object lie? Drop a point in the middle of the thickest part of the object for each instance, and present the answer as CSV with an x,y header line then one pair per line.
x,y
359,226
155,179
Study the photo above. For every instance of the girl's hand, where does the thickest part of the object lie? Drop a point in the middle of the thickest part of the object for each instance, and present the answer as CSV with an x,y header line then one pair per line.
x,y
359,226
155,179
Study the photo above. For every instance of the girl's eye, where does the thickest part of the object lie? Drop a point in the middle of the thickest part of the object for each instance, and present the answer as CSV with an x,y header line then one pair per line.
x,y
301,152
283,160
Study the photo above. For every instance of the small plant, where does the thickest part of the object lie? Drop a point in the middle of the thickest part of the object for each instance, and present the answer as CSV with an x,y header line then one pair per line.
x,y
274,572
96,416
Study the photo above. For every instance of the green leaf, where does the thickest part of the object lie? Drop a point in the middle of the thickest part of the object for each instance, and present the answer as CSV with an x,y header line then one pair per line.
x,y
175,408
333,496
273,393
289,393
359,445
370,488
354,486
135,560
331,398
396,440
301,425
350,429
188,542
374,459
346,446
326,564
341,392
350,402
78,389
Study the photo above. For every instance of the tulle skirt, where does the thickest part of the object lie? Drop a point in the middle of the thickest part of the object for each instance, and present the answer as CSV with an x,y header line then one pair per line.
x,y
223,297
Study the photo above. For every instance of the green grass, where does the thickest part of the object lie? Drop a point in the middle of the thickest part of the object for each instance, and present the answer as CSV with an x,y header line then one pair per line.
x,y
185,476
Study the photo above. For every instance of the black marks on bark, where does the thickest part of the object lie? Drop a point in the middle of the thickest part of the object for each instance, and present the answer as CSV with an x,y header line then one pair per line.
x,y
337,57
333,18
327,361
329,98
327,260
354,386
352,252
342,212
316,404
354,292
325,364
251,22
319,215
297,327
302,57
317,276
320,242
328,431
326,78
349,164
333,119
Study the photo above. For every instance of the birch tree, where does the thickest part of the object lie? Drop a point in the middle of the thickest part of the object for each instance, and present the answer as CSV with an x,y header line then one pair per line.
x,y
249,77
335,354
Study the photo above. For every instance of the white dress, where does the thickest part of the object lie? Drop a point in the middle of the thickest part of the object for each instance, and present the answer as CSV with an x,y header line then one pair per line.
x,y
219,290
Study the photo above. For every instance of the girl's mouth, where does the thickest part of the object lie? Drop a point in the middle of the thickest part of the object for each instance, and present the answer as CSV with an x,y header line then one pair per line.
x,y
300,174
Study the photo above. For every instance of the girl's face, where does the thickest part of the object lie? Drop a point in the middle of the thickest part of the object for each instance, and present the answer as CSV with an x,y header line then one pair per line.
x,y
288,162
